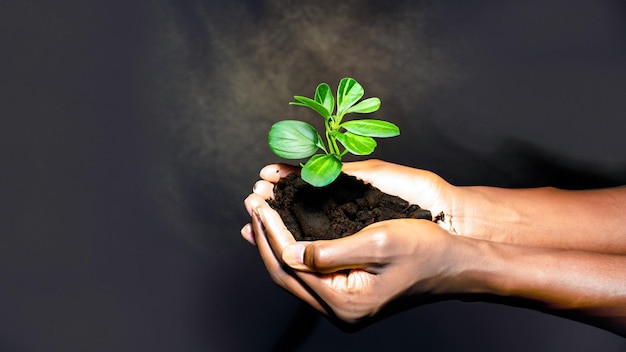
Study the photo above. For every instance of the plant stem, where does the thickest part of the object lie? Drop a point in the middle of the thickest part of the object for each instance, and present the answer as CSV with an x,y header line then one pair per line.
x,y
328,137
333,148
336,146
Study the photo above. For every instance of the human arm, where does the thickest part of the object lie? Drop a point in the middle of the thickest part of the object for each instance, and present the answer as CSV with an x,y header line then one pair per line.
x,y
590,220
363,277
522,248
584,286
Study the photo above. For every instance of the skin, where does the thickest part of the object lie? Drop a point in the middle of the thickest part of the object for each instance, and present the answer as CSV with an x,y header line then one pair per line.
x,y
557,251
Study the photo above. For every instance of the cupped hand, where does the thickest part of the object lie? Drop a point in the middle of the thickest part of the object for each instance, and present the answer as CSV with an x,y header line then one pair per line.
x,y
356,278
416,186
264,189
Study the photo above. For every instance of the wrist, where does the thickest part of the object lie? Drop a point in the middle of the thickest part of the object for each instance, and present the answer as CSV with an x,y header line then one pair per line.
x,y
481,213
467,268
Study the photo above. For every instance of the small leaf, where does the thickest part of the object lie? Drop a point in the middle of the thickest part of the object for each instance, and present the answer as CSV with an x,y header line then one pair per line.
x,y
292,139
372,128
365,106
348,93
321,170
324,96
355,144
304,101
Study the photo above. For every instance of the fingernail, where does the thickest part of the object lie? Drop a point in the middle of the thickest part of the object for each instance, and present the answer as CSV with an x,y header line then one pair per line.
x,y
247,234
263,188
293,255
268,171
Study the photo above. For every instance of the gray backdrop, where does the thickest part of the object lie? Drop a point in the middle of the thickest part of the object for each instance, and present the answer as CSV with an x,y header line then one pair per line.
x,y
131,133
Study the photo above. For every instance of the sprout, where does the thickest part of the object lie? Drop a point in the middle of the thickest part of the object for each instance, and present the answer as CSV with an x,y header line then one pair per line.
x,y
292,139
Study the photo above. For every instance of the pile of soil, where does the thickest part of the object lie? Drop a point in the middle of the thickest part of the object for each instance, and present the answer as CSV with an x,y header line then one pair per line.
x,y
340,209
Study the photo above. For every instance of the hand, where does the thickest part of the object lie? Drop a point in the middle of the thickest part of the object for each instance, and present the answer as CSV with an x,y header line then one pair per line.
x,y
356,278
376,271
421,187
416,186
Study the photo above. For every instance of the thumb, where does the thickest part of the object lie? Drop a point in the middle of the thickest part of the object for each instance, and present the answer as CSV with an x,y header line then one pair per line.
x,y
293,256
390,178
352,252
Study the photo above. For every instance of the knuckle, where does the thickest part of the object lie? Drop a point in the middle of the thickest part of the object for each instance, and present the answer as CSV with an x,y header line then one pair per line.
x,y
317,257
380,238
376,164
382,242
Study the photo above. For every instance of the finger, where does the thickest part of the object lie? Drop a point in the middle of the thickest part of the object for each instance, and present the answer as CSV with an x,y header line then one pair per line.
x,y
293,255
272,264
247,203
382,174
350,295
248,234
275,172
264,188
413,185
278,235
389,178
275,268
363,250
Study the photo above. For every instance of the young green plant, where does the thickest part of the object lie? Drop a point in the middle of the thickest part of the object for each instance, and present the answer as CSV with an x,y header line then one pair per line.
x,y
292,139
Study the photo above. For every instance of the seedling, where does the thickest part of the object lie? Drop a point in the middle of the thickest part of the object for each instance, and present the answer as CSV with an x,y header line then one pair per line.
x,y
292,139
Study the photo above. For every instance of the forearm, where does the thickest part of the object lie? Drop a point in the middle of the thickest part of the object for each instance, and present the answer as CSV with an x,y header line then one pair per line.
x,y
584,286
593,220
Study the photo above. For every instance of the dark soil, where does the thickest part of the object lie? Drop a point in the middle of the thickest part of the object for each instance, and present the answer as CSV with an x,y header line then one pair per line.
x,y
337,210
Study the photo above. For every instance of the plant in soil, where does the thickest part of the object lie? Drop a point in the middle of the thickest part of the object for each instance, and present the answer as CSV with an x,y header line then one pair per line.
x,y
291,139
322,202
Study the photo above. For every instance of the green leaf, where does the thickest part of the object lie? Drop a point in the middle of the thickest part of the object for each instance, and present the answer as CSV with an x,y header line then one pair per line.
x,y
365,106
321,170
292,139
372,128
355,144
348,93
304,101
324,96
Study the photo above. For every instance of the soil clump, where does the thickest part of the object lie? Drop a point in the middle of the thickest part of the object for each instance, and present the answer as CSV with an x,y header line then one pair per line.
x,y
340,209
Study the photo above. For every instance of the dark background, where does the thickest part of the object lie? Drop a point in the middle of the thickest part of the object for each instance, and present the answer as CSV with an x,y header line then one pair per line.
x,y
131,133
